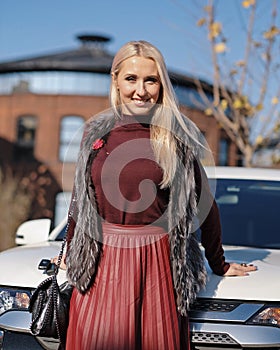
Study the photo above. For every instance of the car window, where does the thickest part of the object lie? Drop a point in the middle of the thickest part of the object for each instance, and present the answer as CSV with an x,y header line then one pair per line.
x,y
249,212
61,234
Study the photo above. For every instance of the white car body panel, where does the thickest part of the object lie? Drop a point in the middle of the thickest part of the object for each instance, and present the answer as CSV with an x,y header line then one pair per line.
x,y
263,284
21,264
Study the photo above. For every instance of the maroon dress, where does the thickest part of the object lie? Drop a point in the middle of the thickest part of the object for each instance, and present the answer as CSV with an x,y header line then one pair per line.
x,y
131,304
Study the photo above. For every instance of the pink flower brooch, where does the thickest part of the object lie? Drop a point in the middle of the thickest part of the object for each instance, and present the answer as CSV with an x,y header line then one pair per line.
x,y
97,144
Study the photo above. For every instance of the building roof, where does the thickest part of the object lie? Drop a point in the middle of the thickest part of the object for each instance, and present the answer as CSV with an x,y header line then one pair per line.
x,y
90,56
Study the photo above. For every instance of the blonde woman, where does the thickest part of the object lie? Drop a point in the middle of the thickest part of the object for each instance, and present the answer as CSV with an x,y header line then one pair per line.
x,y
132,256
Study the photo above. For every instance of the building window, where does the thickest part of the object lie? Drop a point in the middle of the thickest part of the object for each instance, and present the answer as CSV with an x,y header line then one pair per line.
x,y
190,97
26,133
71,132
56,82
223,151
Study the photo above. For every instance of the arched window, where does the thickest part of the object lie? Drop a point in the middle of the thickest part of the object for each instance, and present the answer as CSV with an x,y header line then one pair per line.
x,y
71,132
26,133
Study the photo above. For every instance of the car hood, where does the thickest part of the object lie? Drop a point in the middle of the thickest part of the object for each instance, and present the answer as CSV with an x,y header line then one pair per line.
x,y
19,266
20,269
263,284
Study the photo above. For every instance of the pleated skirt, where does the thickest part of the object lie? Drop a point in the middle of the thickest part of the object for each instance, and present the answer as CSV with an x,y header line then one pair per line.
x,y
131,304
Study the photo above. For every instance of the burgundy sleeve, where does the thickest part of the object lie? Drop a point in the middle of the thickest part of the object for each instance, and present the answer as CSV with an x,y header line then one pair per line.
x,y
210,224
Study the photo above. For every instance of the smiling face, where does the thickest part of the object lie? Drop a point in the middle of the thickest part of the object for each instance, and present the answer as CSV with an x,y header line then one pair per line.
x,y
139,85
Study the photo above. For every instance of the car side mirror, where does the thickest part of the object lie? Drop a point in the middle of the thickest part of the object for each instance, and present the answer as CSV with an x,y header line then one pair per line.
x,y
33,231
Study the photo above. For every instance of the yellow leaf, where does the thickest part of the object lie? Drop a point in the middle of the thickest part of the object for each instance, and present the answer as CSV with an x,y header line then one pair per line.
x,y
248,3
271,33
215,29
237,104
250,111
259,107
201,22
259,140
220,48
276,128
208,111
275,100
224,104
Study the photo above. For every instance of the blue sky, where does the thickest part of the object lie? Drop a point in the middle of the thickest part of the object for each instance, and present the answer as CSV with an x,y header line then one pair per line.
x,y
34,27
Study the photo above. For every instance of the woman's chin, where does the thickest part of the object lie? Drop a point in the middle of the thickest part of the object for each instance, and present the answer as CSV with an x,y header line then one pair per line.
x,y
137,109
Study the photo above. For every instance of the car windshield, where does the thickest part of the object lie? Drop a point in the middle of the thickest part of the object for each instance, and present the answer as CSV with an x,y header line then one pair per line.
x,y
61,234
249,212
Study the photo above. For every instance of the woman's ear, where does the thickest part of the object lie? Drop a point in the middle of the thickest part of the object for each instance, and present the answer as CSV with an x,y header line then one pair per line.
x,y
114,80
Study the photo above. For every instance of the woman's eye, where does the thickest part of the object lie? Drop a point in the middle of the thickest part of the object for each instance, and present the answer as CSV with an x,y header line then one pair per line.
x,y
130,78
152,80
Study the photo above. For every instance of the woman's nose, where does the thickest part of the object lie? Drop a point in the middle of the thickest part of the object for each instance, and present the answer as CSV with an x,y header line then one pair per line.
x,y
140,88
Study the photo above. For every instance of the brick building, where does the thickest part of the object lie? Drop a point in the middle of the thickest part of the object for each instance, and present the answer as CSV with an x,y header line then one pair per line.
x,y
45,100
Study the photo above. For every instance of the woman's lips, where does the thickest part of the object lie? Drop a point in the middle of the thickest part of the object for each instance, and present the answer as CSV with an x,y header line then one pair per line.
x,y
140,103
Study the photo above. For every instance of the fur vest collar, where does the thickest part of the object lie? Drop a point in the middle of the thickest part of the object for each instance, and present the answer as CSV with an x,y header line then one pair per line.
x,y
186,260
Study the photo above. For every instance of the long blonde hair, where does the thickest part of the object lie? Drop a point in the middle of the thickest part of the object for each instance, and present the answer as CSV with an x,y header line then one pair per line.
x,y
162,139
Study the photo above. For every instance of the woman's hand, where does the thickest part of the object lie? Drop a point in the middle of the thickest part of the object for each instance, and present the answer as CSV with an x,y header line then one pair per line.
x,y
240,269
62,264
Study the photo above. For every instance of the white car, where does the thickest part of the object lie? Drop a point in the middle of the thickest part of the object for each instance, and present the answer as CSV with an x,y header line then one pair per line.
x,y
231,313
243,312
20,274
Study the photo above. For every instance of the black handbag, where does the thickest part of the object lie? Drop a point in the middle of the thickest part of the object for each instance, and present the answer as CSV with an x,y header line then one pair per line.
x,y
49,305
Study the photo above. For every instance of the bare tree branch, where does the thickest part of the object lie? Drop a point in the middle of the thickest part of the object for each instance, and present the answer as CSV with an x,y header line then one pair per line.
x,y
231,106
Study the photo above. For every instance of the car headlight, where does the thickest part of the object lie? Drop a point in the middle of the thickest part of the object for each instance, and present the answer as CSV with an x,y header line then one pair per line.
x,y
269,316
13,298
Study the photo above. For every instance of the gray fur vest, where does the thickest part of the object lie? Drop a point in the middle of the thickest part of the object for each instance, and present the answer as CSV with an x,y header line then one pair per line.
x,y
188,270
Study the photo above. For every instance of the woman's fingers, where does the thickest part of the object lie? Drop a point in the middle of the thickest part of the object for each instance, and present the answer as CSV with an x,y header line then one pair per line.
x,y
54,260
242,269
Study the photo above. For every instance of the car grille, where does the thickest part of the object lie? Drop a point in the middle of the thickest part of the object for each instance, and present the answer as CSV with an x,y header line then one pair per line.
x,y
213,305
212,338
